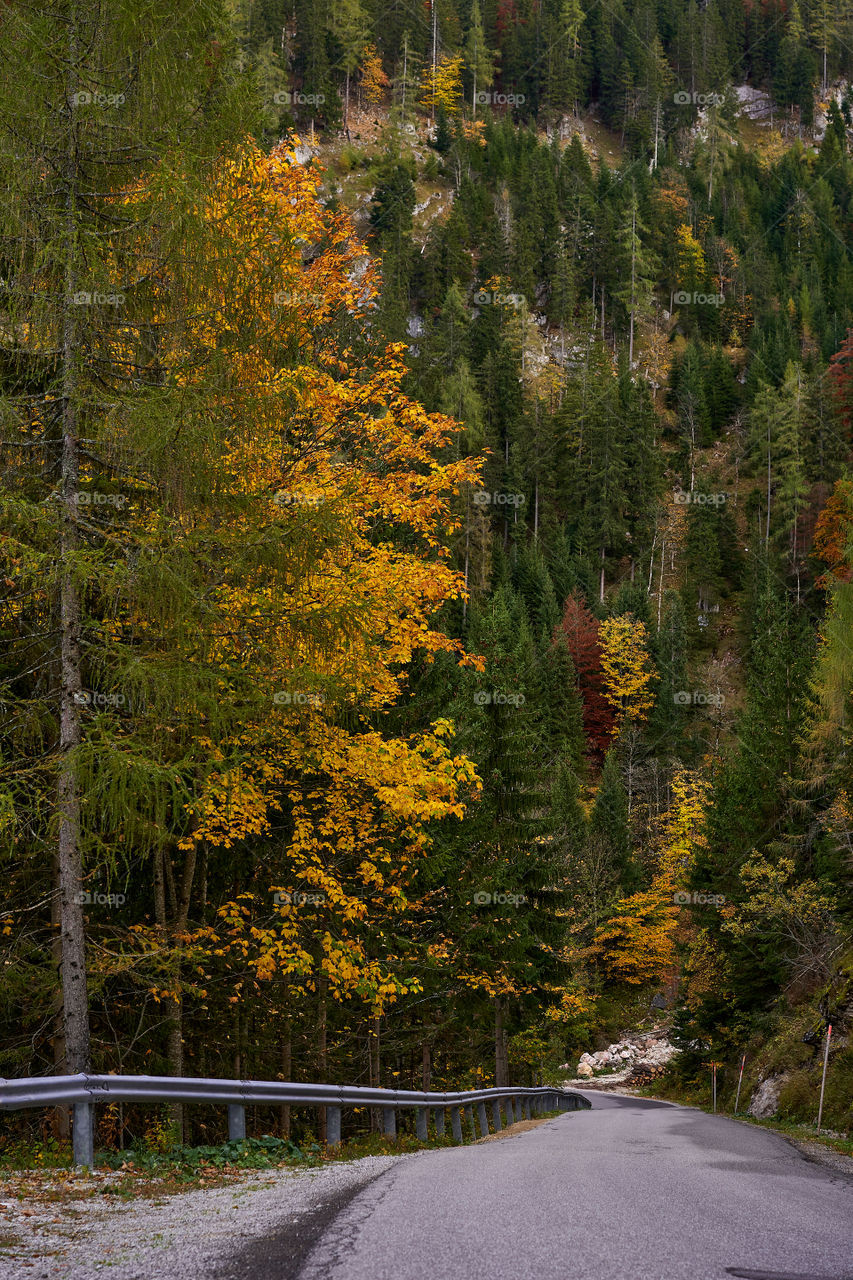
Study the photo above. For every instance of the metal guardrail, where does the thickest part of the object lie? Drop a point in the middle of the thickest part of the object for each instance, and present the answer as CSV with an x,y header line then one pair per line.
x,y
82,1092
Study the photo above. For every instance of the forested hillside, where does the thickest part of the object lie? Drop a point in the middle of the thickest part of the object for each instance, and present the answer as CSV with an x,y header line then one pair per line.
x,y
427,538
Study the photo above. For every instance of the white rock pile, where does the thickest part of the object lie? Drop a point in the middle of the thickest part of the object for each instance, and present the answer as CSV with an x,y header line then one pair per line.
x,y
642,1056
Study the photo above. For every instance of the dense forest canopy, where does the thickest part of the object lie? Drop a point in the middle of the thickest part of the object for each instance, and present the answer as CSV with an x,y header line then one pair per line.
x,y
427,534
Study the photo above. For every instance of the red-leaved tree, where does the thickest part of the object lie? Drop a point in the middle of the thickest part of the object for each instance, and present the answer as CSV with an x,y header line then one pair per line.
x,y
840,374
580,628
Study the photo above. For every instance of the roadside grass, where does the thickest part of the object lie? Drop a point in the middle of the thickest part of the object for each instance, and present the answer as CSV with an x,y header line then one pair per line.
x,y
803,1132
688,1095
43,1170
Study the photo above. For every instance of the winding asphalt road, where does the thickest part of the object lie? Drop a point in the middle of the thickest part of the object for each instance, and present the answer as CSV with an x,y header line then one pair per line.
x,y
633,1189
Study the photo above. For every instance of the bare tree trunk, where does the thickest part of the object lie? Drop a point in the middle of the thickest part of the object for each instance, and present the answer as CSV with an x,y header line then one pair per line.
x,y
164,887
434,54
62,1115
373,1067
75,1000
501,1062
633,285
238,1040
322,1059
467,556
657,132
175,1050
286,1061
660,584
426,1067
769,487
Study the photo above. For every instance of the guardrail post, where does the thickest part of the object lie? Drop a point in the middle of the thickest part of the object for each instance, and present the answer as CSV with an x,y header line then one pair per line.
x,y
469,1120
496,1116
421,1122
333,1126
83,1134
236,1121
439,1122
456,1124
483,1119
389,1122
527,1108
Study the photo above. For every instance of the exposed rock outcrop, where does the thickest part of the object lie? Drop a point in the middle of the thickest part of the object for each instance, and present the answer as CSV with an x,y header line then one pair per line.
x,y
637,1058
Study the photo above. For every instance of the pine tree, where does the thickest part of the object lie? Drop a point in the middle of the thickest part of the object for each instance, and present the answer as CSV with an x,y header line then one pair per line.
x,y
667,719
776,428
609,821
349,24
562,715
564,81
638,270
134,118
478,58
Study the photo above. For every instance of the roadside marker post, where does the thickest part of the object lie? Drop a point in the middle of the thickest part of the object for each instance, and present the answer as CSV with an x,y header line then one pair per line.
x,y
823,1077
739,1081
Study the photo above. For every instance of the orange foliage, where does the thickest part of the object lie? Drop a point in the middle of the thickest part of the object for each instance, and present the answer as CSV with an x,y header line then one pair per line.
x,y
834,535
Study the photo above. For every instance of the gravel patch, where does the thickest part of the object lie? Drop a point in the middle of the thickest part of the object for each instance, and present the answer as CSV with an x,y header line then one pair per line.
x,y
820,1154
520,1126
196,1235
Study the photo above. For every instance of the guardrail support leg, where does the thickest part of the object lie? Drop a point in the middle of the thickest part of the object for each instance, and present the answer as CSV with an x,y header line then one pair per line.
x,y
527,1108
421,1121
456,1124
483,1119
83,1134
236,1121
469,1121
496,1116
439,1122
389,1122
333,1126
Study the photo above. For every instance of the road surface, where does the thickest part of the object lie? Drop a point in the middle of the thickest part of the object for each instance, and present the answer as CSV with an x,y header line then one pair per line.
x,y
633,1189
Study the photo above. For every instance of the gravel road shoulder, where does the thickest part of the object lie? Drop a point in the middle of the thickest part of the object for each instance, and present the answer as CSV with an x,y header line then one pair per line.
x,y
198,1235
821,1154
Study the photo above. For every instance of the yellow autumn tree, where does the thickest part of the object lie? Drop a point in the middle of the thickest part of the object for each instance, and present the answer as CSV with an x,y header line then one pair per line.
x,y
442,87
627,669
374,81
328,450
637,944
692,269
